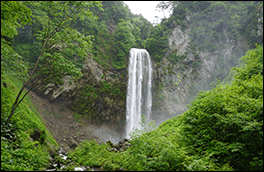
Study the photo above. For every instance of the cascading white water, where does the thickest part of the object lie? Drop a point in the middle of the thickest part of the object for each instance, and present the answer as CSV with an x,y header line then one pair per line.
x,y
139,100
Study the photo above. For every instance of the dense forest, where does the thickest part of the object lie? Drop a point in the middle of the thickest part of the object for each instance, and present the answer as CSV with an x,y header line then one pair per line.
x,y
42,42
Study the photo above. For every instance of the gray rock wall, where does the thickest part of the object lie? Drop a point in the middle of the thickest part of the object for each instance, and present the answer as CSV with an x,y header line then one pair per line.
x,y
182,81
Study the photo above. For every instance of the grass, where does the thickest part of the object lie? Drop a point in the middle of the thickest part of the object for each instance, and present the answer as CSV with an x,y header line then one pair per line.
x,y
26,109
18,152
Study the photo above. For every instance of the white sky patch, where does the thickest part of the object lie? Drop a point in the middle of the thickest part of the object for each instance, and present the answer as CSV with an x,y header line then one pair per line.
x,y
147,9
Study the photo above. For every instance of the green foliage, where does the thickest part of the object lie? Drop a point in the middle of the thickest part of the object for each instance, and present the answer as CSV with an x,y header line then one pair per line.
x,y
114,11
93,155
110,46
124,40
225,122
174,58
221,131
52,36
18,152
252,64
53,31
249,22
13,15
104,92
157,43
213,21
176,84
143,25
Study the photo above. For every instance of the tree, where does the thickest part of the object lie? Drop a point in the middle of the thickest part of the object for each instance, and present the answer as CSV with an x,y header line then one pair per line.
x,y
226,123
143,24
166,5
123,41
13,14
54,18
157,43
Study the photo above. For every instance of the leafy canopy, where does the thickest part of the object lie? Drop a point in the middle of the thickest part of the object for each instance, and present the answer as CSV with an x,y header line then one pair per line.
x,y
14,14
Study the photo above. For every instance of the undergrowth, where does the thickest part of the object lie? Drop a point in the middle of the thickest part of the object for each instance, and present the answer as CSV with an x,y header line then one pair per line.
x,y
221,130
18,151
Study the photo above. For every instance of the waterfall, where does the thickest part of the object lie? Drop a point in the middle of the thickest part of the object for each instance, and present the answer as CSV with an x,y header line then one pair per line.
x,y
139,100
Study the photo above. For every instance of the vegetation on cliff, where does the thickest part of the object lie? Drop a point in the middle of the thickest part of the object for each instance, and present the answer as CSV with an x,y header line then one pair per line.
x,y
21,150
205,39
19,119
221,130
116,30
52,30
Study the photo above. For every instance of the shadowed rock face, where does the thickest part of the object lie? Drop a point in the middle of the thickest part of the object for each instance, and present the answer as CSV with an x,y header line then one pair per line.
x,y
99,107
61,123
96,109
177,82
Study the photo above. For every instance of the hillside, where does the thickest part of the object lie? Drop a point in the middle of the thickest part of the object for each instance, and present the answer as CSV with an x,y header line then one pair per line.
x,y
221,131
189,51
64,76
25,141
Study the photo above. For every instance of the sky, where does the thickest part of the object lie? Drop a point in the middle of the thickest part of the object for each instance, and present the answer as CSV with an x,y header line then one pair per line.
x,y
147,9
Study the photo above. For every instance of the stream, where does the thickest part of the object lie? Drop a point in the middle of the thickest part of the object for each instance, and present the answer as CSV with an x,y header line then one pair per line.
x,y
63,158
59,162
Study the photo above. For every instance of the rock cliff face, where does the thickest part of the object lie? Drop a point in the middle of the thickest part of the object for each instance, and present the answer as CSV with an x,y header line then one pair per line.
x,y
99,95
177,82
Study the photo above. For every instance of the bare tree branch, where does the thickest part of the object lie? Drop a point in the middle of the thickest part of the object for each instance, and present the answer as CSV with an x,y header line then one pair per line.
x,y
8,131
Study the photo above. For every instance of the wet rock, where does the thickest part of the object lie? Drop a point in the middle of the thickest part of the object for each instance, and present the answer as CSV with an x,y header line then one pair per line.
x,y
114,149
36,136
49,165
72,144
63,167
127,144
61,151
79,169
110,143
120,146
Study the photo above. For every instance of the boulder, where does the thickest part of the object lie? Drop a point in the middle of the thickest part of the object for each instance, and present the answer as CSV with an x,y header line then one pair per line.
x,y
72,144
38,135
110,143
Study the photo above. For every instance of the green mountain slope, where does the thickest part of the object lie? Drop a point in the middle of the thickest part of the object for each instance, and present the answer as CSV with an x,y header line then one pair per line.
x,y
19,151
221,130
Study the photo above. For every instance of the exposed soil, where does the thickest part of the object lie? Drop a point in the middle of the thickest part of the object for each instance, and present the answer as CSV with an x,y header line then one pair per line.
x,y
62,124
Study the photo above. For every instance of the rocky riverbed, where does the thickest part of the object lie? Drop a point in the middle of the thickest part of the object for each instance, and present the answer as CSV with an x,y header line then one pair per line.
x,y
60,162
69,131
